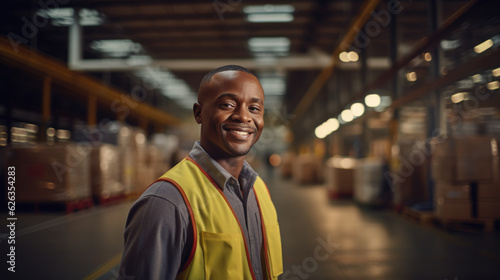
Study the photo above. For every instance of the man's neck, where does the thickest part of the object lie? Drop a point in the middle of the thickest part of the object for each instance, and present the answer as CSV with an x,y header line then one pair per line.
x,y
232,165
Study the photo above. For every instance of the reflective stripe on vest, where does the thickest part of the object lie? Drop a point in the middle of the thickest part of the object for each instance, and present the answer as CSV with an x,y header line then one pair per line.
x,y
220,250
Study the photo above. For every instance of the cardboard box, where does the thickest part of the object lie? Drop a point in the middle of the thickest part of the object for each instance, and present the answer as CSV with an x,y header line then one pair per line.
x,y
450,192
452,210
465,168
52,172
105,175
339,176
488,191
488,208
465,147
305,169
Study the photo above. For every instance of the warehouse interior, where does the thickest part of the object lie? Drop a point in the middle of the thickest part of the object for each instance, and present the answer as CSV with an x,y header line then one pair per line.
x,y
380,146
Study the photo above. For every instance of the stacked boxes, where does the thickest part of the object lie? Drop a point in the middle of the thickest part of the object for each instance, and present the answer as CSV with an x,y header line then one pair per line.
x,y
339,176
105,177
409,179
465,171
287,165
306,169
52,173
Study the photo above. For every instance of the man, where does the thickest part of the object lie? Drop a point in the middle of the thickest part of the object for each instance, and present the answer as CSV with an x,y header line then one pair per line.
x,y
210,216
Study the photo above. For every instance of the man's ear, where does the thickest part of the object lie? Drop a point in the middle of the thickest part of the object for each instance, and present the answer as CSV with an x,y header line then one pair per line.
x,y
197,112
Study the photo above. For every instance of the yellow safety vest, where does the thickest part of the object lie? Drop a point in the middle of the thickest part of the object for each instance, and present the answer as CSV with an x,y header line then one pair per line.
x,y
220,250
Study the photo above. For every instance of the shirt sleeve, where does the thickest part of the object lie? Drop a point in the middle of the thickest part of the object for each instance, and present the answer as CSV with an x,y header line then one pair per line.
x,y
158,235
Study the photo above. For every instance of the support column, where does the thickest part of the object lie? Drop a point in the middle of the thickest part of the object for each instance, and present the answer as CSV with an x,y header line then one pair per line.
x,y
92,110
46,98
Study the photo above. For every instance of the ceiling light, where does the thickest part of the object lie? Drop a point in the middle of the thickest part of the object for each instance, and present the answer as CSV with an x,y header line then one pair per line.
x,y
268,8
332,124
477,78
411,76
269,13
372,100
274,45
64,16
343,57
353,56
450,44
427,56
116,48
459,97
495,72
483,46
347,115
321,131
275,17
357,109
493,85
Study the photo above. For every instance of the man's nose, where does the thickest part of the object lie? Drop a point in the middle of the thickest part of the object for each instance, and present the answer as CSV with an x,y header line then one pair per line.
x,y
241,114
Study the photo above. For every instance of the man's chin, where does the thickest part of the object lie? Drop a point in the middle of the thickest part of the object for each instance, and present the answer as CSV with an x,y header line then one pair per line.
x,y
238,150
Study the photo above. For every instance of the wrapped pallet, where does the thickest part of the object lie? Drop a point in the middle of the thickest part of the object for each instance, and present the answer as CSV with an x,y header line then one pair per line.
x,y
52,173
339,177
105,177
370,187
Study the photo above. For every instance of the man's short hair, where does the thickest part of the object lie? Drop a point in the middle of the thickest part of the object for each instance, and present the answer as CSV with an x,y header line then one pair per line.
x,y
224,68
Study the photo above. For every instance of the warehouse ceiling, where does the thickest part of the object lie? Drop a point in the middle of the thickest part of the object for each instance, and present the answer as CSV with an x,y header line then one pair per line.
x,y
170,45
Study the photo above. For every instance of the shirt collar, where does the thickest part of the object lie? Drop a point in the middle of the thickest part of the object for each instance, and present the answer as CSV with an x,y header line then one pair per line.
x,y
220,175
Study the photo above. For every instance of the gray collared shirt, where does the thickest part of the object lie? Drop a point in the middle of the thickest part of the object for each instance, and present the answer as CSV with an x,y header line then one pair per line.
x,y
159,235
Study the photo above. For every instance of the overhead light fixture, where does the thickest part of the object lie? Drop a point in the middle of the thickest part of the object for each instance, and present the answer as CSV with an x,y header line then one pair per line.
x,y
411,76
270,18
64,16
353,56
357,109
459,97
327,128
427,56
273,85
343,57
493,85
495,72
348,56
347,115
372,100
450,44
477,78
269,13
271,45
116,48
483,46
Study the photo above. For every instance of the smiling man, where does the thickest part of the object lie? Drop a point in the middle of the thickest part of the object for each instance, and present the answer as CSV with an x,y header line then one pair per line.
x,y
210,216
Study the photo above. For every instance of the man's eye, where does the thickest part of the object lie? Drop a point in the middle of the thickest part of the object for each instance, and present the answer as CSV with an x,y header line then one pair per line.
x,y
226,105
255,109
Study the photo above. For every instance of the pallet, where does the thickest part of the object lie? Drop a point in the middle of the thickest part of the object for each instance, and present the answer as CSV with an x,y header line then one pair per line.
x,y
110,200
68,207
422,217
469,225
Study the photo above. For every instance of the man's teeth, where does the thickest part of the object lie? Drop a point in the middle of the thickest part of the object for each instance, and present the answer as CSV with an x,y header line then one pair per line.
x,y
240,132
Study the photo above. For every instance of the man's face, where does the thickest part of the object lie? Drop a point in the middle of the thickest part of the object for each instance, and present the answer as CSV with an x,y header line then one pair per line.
x,y
231,114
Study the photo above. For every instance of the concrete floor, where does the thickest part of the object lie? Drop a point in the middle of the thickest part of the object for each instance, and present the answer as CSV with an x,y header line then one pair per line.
x,y
321,240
